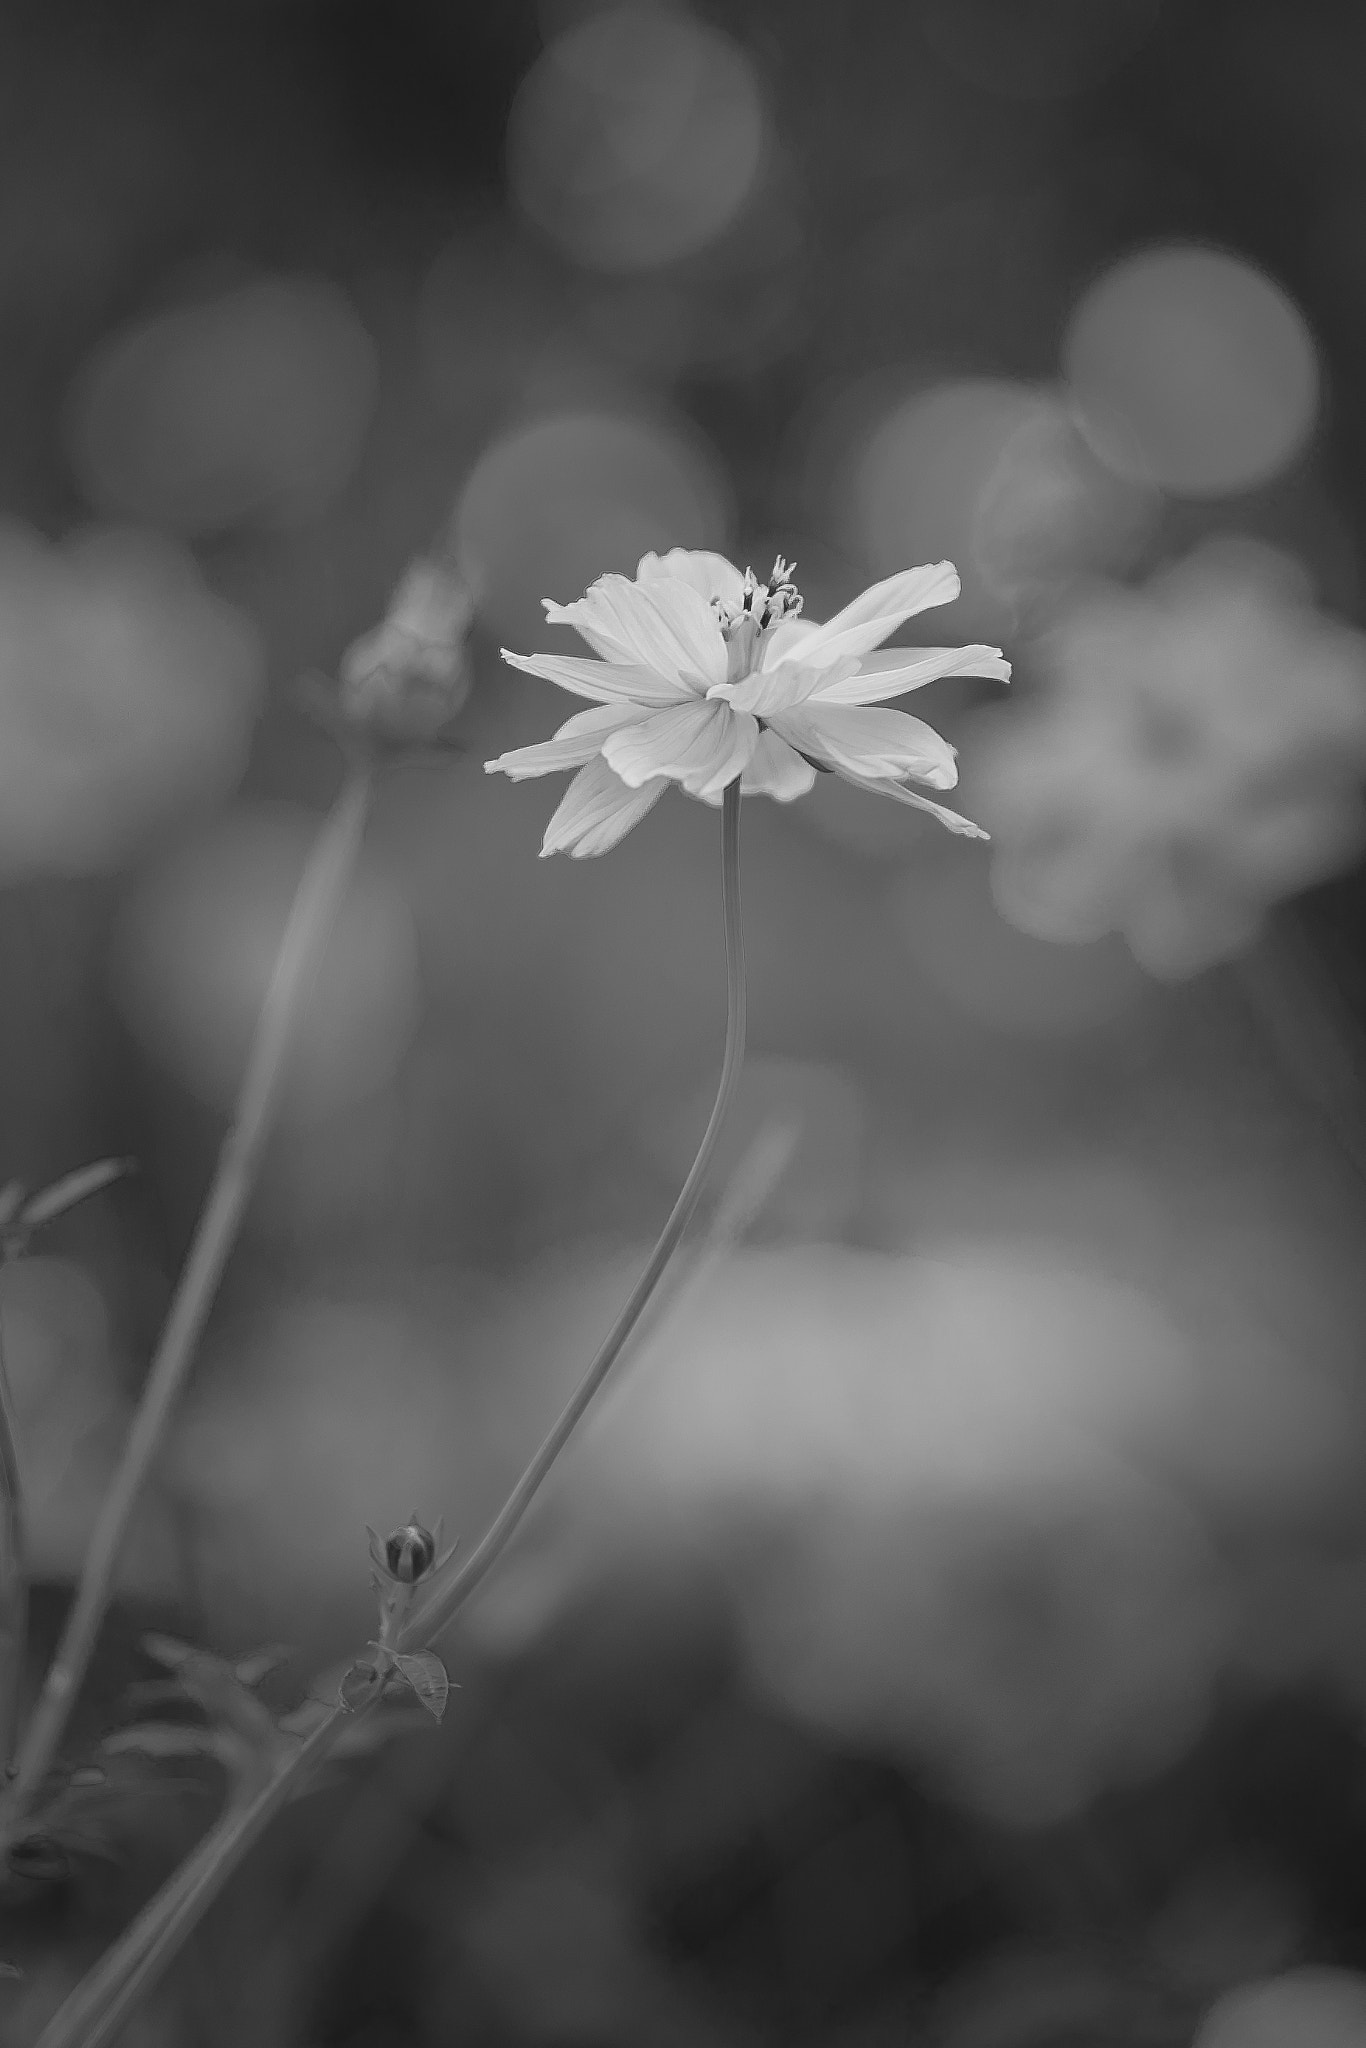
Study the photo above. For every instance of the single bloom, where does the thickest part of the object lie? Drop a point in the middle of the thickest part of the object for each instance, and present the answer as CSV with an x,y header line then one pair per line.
x,y
704,675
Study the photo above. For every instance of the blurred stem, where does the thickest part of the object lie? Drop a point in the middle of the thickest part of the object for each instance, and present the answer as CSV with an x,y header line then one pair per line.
x,y
1310,1031
13,1564
312,915
108,1994
91,2015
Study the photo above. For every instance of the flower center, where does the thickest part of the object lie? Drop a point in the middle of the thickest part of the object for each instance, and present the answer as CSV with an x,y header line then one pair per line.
x,y
761,606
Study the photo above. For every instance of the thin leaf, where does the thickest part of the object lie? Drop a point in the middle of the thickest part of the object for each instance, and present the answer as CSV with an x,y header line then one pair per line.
x,y
168,1650
250,1670
163,1738
74,1187
11,1202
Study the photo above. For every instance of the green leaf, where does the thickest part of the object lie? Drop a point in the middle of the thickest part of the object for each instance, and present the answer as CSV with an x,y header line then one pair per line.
x,y
426,1674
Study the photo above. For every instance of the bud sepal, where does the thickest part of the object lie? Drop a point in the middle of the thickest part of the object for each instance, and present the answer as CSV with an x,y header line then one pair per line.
x,y
402,1561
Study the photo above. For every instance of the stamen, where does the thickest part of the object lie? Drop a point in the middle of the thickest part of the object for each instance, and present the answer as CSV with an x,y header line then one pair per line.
x,y
763,603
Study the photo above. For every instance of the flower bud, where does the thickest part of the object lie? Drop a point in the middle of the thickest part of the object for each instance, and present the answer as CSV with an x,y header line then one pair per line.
x,y
409,1553
406,679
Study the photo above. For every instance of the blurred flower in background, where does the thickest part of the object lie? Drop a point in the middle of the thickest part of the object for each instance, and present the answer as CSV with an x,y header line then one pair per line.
x,y
949,1498
407,678
128,693
1196,754
1193,369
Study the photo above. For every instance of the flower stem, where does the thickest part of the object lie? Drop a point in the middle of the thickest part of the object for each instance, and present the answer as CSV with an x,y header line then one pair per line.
x,y
436,1611
135,1962
13,1567
312,915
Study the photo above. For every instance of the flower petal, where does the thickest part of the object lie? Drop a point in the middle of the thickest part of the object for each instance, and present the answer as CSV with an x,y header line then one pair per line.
x,y
777,771
883,787
711,575
766,690
859,740
783,641
894,670
573,744
602,680
662,624
704,746
596,811
866,622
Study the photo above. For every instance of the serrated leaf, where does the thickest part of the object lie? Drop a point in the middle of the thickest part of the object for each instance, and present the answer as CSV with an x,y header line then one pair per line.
x,y
426,1674
72,1188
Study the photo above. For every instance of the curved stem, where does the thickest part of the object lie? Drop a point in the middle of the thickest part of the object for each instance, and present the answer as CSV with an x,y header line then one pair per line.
x,y
437,1610
312,914
13,1567
132,1966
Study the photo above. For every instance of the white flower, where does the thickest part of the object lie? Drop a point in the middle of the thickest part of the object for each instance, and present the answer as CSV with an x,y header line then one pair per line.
x,y
706,675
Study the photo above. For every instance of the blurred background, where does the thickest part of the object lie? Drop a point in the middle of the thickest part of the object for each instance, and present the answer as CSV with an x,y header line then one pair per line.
x,y
952,1629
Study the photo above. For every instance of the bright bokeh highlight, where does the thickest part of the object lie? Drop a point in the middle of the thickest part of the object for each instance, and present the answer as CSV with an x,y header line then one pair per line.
x,y
636,138
559,500
1195,368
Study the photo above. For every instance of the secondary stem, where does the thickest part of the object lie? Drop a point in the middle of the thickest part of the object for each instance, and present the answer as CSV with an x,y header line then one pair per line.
x,y
135,1962
13,1566
312,915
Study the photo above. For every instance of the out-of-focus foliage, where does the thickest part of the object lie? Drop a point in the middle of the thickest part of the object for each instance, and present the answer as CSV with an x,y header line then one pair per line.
x,y
1198,754
951,1628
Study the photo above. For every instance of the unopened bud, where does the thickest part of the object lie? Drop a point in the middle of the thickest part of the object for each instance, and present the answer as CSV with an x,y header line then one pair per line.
x,y
409,1553
406,679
